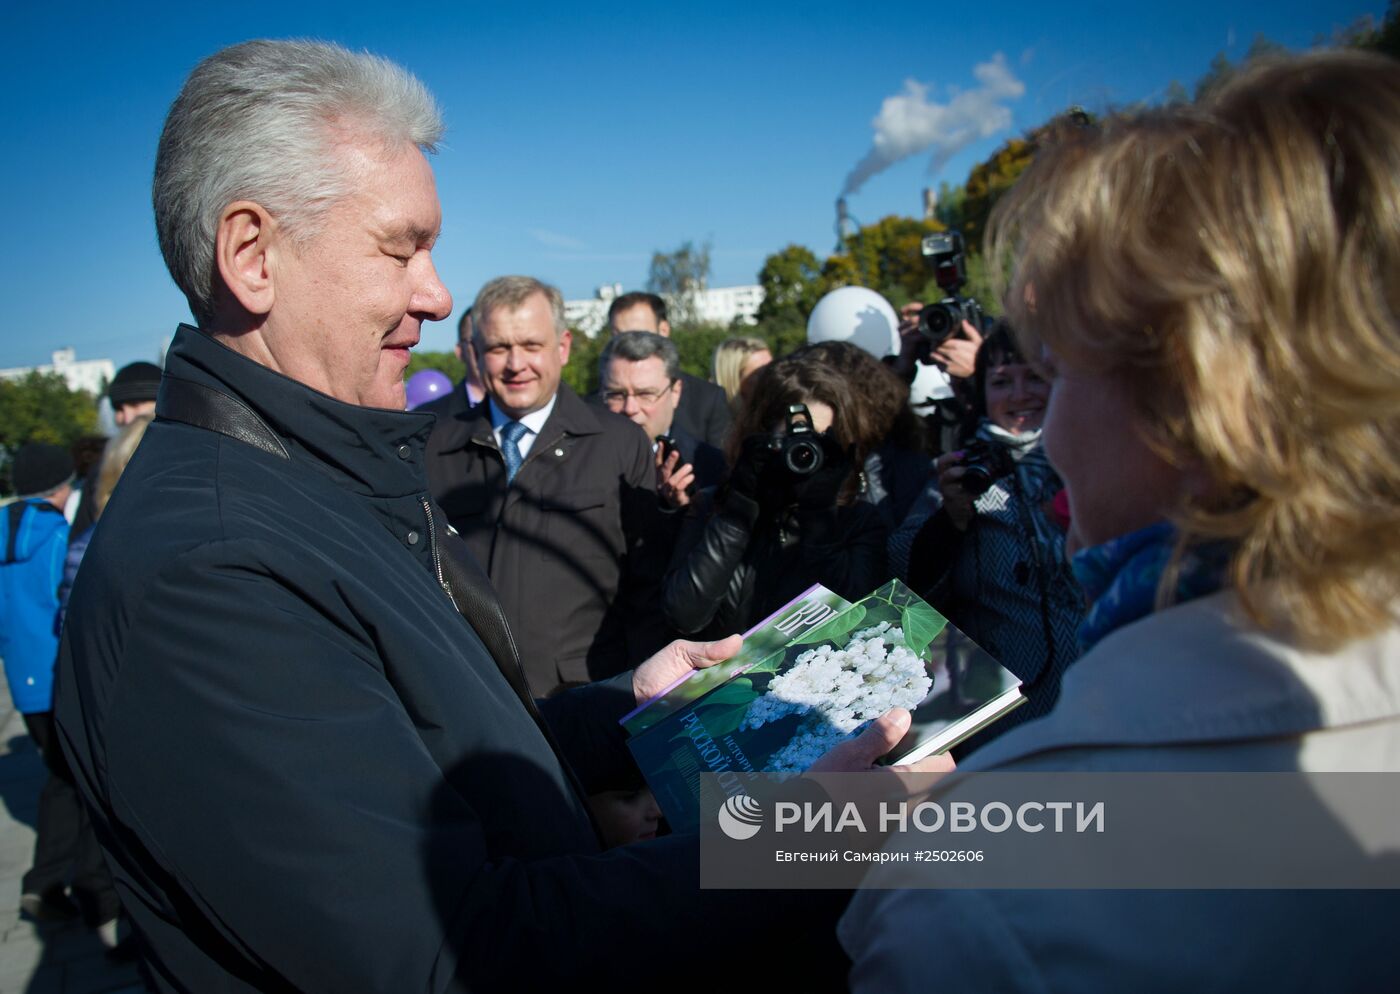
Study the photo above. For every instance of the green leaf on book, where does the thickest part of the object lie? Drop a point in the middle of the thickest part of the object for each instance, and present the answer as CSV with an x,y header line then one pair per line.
x,y
833,628
921,625
770,663
725,707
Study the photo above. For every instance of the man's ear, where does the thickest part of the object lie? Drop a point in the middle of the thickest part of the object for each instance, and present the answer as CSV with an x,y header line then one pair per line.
x,y
243,253
663,328
566,339
676,390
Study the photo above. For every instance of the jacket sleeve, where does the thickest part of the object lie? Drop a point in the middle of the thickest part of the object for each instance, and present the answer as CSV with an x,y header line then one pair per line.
x,y
718,419
709,551
260,756
935,551
586,722
646,530
844,548
77,548
902,538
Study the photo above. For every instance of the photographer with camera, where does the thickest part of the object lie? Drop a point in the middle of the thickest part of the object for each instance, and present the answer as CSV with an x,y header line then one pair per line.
x,y
788,516
939,342
983,543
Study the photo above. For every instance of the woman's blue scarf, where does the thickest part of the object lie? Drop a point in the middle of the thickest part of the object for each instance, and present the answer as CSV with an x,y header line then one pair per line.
x,y
1121,577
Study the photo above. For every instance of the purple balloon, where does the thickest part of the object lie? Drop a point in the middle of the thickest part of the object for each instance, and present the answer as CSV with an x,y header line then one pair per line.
x,y
425,385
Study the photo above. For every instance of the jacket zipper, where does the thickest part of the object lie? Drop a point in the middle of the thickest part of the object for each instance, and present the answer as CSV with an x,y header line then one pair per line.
x,y
437,556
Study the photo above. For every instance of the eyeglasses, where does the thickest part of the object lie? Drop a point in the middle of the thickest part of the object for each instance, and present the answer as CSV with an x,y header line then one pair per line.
x,y
647,398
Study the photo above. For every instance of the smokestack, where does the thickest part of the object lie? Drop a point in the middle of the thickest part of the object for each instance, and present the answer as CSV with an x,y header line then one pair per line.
x,y
846,226
930,204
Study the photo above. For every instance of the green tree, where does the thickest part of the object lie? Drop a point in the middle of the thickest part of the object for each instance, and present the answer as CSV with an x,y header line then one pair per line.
x,y
1176,94
678,277
886,256
40,408
986,183
1220,70
792,285
445,362
1365,33
697,343
581,371
949,209
782,339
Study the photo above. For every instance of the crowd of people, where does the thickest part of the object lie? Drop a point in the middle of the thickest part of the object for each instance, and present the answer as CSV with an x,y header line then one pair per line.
x,y
340,684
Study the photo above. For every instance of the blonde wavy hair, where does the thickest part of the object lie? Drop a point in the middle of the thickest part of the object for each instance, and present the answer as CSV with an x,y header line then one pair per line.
x,y
1238,263
730,356
117,453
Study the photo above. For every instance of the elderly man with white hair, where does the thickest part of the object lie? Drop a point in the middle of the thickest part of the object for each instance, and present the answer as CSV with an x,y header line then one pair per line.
x,y
290,698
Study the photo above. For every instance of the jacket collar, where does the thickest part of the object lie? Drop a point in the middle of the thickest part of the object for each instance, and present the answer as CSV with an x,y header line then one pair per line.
x,y
571,416
366,450
1201,672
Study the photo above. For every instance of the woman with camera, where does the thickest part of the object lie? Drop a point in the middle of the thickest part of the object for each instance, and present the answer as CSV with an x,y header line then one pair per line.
x,y
983,543
788,516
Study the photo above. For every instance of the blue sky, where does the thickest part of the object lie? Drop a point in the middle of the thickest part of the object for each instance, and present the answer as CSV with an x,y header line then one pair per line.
x,y
581,137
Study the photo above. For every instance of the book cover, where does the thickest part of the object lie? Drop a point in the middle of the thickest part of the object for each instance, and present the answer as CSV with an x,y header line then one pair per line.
x,y
781,712
811,608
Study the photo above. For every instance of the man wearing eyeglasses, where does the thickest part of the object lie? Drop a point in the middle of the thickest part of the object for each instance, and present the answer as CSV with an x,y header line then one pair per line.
x,y
703,410
555,497
640,377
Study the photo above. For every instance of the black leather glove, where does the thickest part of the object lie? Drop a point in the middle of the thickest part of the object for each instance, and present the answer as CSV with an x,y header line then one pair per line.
x,y
819,490
752,469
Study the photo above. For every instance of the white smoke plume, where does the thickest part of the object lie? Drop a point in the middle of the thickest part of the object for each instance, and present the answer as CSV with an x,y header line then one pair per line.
x,y
910,123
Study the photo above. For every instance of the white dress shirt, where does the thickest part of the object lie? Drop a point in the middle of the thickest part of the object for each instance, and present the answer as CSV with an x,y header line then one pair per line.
x,y
533,422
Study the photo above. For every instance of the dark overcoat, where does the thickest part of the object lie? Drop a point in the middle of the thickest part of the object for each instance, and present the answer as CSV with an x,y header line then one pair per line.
x,y
306,769
566,543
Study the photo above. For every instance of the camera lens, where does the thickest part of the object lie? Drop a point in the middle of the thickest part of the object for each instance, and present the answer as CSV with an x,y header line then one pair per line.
x,y
937,322
802,456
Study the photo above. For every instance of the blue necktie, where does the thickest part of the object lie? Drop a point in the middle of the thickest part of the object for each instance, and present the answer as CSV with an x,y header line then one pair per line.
x,y
511,434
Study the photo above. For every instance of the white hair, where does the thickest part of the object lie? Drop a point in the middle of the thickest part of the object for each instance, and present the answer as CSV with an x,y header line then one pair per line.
x,y
262,121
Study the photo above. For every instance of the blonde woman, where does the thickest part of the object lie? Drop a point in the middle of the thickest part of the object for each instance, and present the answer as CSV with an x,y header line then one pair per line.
x,y
1215,291
117,453
736,359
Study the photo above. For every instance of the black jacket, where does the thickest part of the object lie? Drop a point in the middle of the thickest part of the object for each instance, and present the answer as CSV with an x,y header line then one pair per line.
x,y
707,461
735,564
307,770
703,411
565,542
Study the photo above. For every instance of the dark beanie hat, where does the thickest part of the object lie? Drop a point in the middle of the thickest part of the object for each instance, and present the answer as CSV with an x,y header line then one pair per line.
x,y
39,468
134,383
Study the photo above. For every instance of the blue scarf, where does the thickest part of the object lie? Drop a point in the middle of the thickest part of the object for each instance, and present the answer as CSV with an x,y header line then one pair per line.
x,y
1121,577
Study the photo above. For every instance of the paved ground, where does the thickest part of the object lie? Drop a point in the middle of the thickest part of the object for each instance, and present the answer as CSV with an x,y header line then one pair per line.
x,y
39,959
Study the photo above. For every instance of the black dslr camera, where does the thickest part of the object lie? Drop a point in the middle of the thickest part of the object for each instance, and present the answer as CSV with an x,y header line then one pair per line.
x,y
800,449
983,464
941,321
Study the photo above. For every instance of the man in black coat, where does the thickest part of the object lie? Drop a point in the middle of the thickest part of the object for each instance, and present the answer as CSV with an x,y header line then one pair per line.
x,y
703,410
554,497
639,377
287,694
